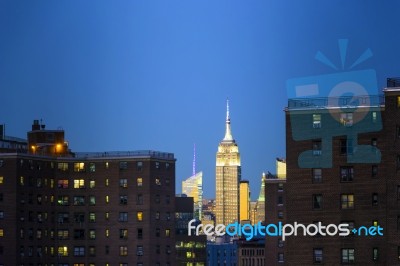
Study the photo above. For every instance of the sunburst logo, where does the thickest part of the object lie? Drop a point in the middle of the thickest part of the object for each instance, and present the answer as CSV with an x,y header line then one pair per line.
x,y
345,103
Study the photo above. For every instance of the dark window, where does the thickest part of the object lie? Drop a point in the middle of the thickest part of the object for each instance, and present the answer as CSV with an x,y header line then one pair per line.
x,y
375,199
317,202
318,255
374,171
139,199
280,200
316,147
140,233
123,199
123,165
346,173
79,234
375,254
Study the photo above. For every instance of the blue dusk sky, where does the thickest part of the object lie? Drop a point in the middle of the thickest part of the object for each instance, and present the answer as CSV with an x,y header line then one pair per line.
x,y
132,75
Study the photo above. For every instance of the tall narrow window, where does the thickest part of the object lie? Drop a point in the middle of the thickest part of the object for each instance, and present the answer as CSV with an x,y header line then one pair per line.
x,y
374,199
316,121
316,147
317,201
318,255
317,175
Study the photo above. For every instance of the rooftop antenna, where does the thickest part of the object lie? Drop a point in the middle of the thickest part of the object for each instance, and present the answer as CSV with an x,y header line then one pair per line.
x,y
194,159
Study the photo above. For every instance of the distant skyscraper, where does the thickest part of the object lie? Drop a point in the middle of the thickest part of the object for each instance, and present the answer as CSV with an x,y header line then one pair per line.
x,y
193,187
260,206
281,168
244,200
228,173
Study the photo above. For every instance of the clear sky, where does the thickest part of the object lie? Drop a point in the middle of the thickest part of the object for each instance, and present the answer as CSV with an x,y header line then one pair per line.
x,y
130,75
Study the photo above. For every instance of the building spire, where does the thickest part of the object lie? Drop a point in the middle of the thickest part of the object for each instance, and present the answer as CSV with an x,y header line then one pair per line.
x,y
194,159
228,134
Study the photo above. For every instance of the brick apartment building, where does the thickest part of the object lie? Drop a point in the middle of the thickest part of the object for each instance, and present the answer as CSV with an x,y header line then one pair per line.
x,y
361,187
85,209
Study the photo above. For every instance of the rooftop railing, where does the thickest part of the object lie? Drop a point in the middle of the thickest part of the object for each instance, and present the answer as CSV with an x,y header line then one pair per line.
x,y
140,153
334,102
393,82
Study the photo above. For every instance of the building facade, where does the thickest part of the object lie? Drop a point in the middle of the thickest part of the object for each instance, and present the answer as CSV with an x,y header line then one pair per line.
x,y
343,167
228,176
193,187
244,203
107,208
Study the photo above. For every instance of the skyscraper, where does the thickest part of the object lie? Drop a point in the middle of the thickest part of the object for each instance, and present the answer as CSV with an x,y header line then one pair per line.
x,y
193,187
228,173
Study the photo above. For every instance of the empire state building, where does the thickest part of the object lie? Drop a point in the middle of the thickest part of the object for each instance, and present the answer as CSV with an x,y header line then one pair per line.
x,y
228,174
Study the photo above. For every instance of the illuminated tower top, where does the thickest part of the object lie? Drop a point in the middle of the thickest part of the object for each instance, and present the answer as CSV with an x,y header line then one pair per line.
x,y
228,134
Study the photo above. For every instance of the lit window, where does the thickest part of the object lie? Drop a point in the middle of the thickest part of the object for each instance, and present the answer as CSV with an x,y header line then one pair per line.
x,y
139,216
346,119
107,165
158,182
318,255
139,181
123,182
63,251
92,184
167,232
63,234
63,200
79,183
398,101
1,232
346,173
92,234
107,199
374,117
63,183
347,201
107,232
317,202
79,167
1,180
375,223
123,251
316,121
21,180
92,217
347,255
107,182
107,216
62,166
317,175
